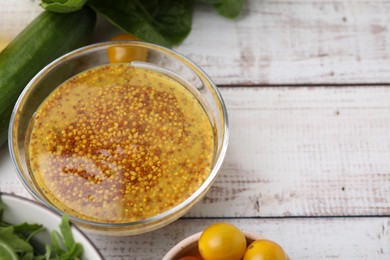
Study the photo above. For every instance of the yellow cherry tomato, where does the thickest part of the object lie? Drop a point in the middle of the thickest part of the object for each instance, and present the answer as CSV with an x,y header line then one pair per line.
x,y
124,37
264,250
124,54
222,241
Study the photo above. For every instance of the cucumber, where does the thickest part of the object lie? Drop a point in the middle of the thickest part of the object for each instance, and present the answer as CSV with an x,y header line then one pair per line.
x,y
46,38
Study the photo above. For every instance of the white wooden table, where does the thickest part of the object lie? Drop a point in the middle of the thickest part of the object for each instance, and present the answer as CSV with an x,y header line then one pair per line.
x,y
306,84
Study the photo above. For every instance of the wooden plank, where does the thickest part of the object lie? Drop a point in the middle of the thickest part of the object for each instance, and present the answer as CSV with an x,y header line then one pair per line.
x,y
14,16
304,152
307,238
294,42
321,151
273,42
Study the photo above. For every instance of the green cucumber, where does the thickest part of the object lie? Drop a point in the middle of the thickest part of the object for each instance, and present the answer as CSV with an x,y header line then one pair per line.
x,y
46,38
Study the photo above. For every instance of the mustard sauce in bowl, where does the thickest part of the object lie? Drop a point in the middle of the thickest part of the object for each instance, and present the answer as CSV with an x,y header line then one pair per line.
x,y
118,144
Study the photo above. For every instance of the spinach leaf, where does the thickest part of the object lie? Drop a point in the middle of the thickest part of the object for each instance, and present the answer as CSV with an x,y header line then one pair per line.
x,y
229,8
164,22
209,1
172,17
63,6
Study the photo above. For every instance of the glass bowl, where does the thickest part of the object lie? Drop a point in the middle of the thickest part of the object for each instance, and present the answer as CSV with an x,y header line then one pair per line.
x,y
145,56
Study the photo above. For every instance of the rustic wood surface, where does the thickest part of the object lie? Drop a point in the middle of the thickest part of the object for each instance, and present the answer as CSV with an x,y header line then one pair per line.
x,y
308,164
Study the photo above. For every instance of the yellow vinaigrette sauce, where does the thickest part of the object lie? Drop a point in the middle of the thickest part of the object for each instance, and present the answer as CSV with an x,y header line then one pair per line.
x,y
118,144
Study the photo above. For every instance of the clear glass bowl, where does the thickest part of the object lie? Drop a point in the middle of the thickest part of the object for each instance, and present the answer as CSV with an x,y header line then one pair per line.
x,y
158,59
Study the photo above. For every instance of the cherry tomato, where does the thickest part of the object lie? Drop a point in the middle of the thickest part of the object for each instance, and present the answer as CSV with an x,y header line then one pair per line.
x,y
222,241
124,54
264,250
124,37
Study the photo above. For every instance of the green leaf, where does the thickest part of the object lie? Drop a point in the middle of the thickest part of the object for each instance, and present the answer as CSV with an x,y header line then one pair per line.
x,y
229,8
163,22
171,17
30,229
28,256
73,253
55,244
66,232
47,253
209,1
1,209
8,239
63,6
73,250
6,252
15,244
26,227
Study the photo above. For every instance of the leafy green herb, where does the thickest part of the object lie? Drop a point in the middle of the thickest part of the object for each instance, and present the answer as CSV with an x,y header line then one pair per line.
x,y
164,22
12,245
15,241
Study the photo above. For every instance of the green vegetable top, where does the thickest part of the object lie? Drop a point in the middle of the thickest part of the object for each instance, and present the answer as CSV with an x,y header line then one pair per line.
x,y
164,22
16,242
